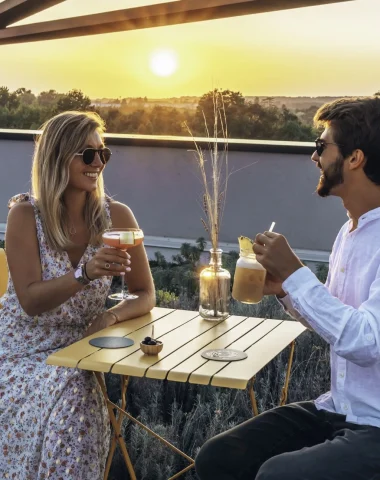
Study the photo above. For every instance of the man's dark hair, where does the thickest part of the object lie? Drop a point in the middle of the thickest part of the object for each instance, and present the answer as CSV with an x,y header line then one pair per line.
x,y
355,124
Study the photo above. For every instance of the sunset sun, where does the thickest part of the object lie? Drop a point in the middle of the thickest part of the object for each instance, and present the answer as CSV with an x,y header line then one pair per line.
x,y
163,63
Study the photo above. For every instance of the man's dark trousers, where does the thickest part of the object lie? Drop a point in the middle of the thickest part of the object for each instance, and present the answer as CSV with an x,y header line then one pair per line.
x,y
293,442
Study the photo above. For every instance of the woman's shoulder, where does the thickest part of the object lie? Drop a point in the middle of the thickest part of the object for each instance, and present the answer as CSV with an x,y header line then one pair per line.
x,y
20,205
121,215
21,216
118,208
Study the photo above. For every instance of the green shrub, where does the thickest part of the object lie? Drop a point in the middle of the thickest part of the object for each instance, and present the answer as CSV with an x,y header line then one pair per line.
x,y
167,299
322,271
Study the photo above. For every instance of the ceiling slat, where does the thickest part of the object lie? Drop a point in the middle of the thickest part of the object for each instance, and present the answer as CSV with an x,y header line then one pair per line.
x,y
12,11
170,13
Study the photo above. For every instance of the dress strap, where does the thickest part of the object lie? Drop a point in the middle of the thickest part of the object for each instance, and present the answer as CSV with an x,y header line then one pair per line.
x,y
20,197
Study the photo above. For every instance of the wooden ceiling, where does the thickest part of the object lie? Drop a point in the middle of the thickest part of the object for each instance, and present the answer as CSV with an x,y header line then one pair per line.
x,y
169,13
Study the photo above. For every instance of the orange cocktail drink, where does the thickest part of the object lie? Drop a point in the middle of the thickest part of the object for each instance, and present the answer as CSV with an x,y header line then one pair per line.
x,y
123,239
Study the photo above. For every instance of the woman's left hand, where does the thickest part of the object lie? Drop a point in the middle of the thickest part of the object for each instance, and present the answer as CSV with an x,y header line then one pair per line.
x,y
102,320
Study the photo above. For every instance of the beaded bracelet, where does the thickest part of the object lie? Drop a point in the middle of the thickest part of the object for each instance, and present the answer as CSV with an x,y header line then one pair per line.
x,y
85,273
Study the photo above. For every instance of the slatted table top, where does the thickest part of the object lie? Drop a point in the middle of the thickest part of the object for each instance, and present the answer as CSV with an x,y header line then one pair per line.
x,y
185,336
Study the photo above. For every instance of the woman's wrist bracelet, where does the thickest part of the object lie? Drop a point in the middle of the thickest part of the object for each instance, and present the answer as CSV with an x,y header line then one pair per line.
x,y
114,315
85,273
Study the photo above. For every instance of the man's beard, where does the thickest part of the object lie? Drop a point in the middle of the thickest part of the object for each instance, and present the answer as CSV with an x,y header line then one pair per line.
x,y
331,177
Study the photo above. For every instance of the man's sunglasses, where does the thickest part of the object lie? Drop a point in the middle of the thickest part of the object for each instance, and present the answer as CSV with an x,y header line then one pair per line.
x,y
88,155
320,145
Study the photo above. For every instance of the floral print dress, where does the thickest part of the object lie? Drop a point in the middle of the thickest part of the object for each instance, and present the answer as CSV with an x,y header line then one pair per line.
x,y
53,420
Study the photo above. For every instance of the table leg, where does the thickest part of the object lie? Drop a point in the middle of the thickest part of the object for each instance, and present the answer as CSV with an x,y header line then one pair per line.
x,y
253,397
168,444
124,386
116,427
284,394
120,440
182,472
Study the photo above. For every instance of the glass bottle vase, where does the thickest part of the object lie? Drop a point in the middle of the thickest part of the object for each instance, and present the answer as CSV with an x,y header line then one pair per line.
x,y
214,289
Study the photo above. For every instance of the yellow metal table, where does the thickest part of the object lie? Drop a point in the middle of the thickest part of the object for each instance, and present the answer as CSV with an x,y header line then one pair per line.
x,y
185,336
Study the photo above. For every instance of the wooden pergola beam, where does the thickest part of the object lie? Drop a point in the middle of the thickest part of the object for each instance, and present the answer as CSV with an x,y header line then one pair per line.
x,y
162,14
12,11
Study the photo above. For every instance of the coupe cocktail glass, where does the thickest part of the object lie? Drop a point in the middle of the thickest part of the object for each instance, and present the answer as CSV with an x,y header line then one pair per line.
x,y
124,239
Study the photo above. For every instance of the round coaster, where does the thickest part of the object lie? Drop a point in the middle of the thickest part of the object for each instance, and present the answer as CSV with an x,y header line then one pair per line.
x,y
224,355
111,342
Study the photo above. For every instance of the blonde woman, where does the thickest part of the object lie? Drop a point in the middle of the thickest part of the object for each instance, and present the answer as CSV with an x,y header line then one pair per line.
x,y
53,420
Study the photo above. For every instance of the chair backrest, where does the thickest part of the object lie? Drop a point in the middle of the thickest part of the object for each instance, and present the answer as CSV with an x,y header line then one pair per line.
x,y
3,272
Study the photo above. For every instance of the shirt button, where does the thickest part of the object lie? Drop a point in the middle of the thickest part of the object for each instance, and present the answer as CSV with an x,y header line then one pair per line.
x,y
369,337
345,407
342,270
341,375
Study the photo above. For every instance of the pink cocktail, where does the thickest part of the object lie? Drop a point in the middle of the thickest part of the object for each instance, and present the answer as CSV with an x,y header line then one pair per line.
x,y
123,239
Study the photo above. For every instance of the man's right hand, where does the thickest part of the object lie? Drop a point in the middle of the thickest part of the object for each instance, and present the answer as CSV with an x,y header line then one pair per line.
x,y
273,286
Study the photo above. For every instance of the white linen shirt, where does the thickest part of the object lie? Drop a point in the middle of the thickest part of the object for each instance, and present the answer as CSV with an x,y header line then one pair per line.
x,y
346,313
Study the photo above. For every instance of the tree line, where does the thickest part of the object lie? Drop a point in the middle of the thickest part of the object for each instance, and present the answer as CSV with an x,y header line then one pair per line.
x,y
21,109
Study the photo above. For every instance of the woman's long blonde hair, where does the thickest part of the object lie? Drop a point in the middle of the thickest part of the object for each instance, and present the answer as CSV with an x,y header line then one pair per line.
x,y
62,137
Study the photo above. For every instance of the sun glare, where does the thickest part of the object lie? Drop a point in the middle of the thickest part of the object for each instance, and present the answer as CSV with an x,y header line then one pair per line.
x,y
163,62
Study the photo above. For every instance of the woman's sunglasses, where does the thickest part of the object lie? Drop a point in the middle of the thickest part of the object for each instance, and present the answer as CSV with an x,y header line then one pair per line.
x,y
320,145
88,155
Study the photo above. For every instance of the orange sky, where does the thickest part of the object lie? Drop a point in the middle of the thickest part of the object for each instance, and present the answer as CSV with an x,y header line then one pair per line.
x,y
326,50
